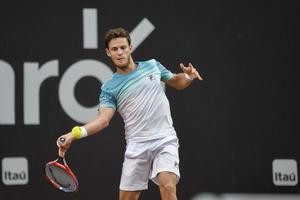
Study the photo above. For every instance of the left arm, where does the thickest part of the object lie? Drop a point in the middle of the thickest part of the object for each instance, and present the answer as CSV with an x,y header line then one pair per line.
x,y
183,80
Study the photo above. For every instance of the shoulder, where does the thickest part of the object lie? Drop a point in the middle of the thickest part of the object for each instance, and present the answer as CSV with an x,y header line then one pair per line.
x,y
148,63
152,63
109,84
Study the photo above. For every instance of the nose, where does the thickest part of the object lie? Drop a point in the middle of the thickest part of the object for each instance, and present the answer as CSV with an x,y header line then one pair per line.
x,y
120,51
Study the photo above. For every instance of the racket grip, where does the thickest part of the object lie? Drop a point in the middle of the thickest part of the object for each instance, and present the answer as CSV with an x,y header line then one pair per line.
x,y
60,160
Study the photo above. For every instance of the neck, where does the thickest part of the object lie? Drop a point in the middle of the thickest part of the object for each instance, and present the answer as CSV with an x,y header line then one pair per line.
x,y
128,68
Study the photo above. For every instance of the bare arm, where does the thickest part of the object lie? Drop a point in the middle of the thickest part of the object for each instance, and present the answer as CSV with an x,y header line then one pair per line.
x,y
183,80
92,127
101,122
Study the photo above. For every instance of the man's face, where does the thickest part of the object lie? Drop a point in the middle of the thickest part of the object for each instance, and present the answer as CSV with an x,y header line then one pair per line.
x,y
119,51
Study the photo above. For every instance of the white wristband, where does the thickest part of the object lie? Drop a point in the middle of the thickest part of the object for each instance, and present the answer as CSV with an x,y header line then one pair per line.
x,y
84,131
188,77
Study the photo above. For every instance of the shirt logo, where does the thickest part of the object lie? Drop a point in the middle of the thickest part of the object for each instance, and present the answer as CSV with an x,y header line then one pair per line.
x,y
176,164
151,77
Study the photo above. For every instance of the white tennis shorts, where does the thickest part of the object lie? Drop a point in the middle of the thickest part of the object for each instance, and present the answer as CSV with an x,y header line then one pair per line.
x,y
144,160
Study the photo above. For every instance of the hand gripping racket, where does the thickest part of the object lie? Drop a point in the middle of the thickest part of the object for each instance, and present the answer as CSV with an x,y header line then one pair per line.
x,y
60,175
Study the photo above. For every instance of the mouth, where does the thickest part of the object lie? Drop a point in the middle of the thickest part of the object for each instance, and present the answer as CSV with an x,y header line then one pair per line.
x,y
120,61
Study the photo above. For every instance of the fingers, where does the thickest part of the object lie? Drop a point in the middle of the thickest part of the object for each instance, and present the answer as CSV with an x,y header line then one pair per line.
x,y
199,77
63,143
191,70
61,146
183,68
60,141
188,69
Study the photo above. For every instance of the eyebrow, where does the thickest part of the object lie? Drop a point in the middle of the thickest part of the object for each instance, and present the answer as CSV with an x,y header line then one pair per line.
x,y
122,46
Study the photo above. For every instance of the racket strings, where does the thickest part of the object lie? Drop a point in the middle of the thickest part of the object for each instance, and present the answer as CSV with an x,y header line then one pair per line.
x,y
62,178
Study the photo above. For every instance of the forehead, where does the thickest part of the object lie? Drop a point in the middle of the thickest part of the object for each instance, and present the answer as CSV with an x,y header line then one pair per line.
x,y
116,42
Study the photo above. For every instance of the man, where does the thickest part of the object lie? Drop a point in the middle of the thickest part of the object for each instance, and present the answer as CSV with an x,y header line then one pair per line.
x,y
136,93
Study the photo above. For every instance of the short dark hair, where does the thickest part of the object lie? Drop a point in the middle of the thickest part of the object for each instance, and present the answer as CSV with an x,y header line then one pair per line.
x,y
116,33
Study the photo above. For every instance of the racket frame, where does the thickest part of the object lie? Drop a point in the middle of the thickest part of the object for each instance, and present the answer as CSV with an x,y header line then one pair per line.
x,y
58,163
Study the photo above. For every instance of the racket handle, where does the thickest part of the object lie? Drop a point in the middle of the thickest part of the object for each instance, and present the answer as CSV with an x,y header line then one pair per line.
x,y
60,159
61,153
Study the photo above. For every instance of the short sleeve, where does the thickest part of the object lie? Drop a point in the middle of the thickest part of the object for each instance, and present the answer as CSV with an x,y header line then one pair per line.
x,y
107,100
165,74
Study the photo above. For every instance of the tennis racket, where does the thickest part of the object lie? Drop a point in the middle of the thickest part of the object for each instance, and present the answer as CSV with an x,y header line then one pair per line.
x,y
59,174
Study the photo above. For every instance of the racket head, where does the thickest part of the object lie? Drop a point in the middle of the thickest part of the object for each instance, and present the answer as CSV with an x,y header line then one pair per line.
x,y
61,176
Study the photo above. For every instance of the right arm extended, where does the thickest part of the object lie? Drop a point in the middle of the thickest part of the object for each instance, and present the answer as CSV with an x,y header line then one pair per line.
x,y
92,127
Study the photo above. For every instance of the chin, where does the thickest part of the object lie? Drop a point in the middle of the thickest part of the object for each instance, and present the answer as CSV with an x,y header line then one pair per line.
x,y
121,65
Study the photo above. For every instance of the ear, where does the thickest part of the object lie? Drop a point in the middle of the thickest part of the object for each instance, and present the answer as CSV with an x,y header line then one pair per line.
x,y
130,48
107,52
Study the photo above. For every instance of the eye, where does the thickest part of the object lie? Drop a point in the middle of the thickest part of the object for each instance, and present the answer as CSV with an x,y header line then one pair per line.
x,y
123,47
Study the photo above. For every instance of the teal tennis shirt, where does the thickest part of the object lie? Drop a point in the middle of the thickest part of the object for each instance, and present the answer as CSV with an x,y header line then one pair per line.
x,y
141,101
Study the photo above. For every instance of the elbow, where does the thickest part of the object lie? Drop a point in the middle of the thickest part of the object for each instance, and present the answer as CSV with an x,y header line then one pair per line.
x,y
102,122
105,123
179,87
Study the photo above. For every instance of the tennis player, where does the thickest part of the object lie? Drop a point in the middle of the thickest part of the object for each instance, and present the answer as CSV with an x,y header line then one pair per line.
x,y
135,91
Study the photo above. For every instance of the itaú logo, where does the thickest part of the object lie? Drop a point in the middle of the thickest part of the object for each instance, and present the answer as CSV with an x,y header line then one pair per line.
x,y
285,172
15,171
35,74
